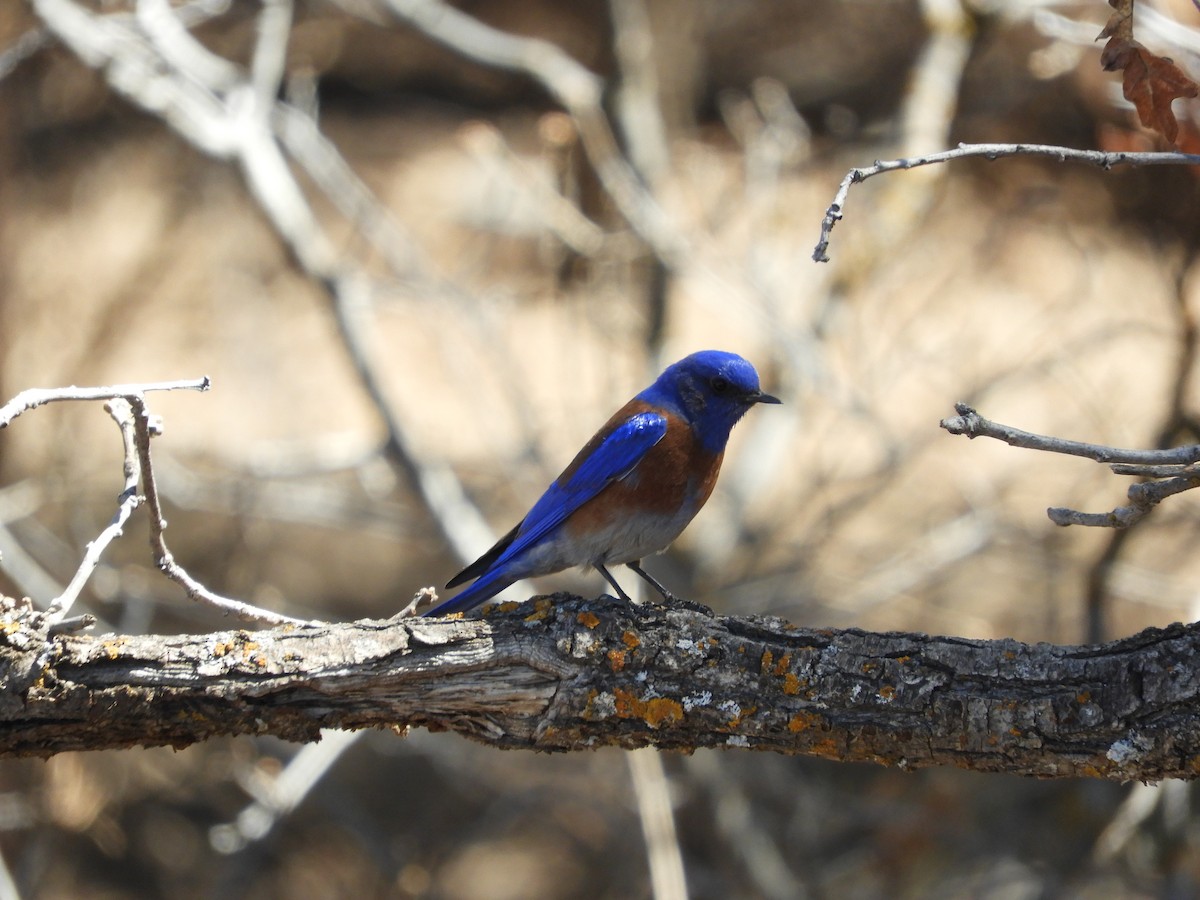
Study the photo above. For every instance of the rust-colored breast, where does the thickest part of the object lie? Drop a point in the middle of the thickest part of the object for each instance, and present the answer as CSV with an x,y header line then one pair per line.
x,y
675,477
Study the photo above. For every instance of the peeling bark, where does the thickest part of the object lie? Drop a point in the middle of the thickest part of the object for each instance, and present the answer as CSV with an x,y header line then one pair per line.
x,y
566,674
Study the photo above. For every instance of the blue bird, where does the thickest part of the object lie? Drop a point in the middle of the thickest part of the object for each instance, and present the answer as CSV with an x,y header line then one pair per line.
x,y
632,489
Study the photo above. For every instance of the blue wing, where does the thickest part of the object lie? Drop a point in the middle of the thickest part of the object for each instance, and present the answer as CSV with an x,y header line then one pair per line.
x,y
617,454
606,458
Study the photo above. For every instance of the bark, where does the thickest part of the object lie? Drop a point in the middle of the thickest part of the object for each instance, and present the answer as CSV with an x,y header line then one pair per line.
x,y
564,673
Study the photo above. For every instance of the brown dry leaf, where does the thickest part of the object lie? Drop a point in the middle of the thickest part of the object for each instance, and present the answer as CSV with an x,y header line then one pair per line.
x,y
1151,82
1120,23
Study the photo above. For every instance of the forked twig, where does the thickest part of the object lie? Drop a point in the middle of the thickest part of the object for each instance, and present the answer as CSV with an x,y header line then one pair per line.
x,y
130,500
32,398
163,557
127,406
1175,467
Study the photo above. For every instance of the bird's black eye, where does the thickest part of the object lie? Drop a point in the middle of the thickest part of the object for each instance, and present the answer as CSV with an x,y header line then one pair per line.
x,y
718,384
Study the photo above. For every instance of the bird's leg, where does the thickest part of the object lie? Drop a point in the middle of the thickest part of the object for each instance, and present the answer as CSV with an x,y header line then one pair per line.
x,y
668,598
616,587
636,565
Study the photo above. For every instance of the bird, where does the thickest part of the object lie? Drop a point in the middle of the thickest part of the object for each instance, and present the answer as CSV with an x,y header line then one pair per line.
x,y
634,486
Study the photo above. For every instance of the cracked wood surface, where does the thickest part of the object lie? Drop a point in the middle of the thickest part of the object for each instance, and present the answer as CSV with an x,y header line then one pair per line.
x,y
567,674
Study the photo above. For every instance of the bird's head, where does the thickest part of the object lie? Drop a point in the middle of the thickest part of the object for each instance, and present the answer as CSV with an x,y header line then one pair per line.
x,y
712,389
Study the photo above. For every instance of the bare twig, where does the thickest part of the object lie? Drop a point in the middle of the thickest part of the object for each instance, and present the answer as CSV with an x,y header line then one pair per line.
x,y
122,413
1099,158
32,398
1151,471
127,407
1143,497
158,523
968,422
924,122
73,624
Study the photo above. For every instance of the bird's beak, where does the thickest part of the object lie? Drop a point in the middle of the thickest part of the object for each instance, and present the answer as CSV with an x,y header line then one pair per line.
x,y
760,397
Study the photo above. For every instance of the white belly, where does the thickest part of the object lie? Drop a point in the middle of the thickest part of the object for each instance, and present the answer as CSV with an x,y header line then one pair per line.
x,y
625,540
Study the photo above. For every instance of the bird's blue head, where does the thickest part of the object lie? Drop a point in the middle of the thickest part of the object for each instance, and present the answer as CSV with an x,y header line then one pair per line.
x,y
712,389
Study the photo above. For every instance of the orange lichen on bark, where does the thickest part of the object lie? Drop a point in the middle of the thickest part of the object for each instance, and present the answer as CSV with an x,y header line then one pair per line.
x,y
1100,770
655,712
541,609
802,721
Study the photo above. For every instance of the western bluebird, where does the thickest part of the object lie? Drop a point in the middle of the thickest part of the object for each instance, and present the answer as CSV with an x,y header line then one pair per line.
x,y
633,487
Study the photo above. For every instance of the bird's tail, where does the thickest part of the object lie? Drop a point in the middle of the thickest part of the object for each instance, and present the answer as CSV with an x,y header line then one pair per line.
x,y
484,589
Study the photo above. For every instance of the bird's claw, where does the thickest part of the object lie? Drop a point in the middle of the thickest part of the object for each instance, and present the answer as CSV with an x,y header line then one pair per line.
x,y
672,602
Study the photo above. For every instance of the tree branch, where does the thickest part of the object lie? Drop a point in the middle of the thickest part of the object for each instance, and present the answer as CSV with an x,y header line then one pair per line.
x,y
121,413
32,398
1101,158
970,423
564,673
1176,466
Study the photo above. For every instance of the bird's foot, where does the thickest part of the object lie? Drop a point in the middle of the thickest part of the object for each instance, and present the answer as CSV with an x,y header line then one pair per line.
x,y
617,599
670,601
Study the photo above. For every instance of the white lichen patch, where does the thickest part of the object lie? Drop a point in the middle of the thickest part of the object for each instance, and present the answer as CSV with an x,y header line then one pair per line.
x,y
603,705
1129,750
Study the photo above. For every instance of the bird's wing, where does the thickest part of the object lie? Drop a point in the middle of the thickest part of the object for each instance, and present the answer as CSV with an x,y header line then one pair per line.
x,y
602,462
608,456
611,459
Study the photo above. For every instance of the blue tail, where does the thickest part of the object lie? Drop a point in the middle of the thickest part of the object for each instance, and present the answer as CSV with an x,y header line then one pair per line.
x,y
484,589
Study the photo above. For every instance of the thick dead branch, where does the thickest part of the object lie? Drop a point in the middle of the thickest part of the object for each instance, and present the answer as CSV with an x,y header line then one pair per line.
x,y
568,674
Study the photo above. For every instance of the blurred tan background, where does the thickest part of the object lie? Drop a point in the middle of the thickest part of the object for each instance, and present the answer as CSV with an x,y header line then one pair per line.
x,y
509,308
